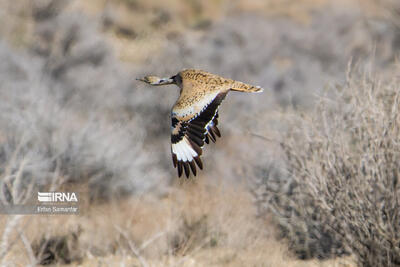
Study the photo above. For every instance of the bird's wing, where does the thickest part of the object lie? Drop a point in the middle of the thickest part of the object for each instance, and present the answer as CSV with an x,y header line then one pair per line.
x,y
191,128
212,130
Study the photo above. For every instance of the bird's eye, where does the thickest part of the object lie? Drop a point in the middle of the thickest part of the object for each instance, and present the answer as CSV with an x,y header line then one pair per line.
x,y
177,79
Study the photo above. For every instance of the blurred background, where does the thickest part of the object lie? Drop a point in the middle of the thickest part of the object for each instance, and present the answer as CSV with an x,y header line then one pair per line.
x,y
73,117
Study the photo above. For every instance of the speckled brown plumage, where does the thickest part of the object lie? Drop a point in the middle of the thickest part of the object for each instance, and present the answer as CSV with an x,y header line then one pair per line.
x,y
195,114
197,84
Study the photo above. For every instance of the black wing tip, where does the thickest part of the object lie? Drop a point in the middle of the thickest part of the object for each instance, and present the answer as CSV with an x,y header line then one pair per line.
x,y
186,168
174,160
216,131
198,162
180,168
189,167
213,133
193,167
211,136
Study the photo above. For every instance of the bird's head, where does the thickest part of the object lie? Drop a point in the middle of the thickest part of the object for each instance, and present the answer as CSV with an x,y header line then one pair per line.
x,y
154,80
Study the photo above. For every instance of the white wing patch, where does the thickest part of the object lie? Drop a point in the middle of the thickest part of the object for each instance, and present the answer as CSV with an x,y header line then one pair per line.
x,y
184,151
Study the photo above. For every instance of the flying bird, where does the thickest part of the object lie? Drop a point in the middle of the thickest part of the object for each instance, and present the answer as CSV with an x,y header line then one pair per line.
x,y
194,116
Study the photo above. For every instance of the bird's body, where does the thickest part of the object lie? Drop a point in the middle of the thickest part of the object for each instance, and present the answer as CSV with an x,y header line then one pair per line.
x,y
195,113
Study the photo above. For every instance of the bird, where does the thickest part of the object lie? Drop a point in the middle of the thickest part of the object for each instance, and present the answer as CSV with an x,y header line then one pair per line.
x,y
194,117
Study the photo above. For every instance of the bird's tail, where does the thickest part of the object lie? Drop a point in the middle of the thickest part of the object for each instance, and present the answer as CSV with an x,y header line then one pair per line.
x,y
244,87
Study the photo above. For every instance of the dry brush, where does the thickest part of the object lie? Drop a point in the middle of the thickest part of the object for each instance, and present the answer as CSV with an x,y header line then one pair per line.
x,y
343,163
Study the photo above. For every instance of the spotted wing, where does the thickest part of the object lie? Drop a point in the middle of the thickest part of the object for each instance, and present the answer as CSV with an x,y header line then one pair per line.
x,y
188,136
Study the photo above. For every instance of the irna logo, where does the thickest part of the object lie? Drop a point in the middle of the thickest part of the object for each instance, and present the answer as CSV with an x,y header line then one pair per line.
x,y
57,197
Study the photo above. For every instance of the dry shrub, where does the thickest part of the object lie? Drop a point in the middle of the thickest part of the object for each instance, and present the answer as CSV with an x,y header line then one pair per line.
x,y
344,163
69,110
308,231
57,249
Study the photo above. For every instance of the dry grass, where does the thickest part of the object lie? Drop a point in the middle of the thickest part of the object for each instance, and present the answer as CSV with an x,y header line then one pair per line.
x,y
193,225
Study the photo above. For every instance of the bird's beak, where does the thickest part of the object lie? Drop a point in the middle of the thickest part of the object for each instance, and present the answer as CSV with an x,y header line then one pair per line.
x,y
146,79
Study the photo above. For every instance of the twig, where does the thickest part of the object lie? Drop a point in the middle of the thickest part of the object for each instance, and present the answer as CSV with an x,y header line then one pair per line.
x,y
28,247
206,240
264,138
151,240
5,244
132,247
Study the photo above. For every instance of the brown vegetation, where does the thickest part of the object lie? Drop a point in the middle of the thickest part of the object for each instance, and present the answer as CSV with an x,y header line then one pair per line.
x,y
194,224
343,161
